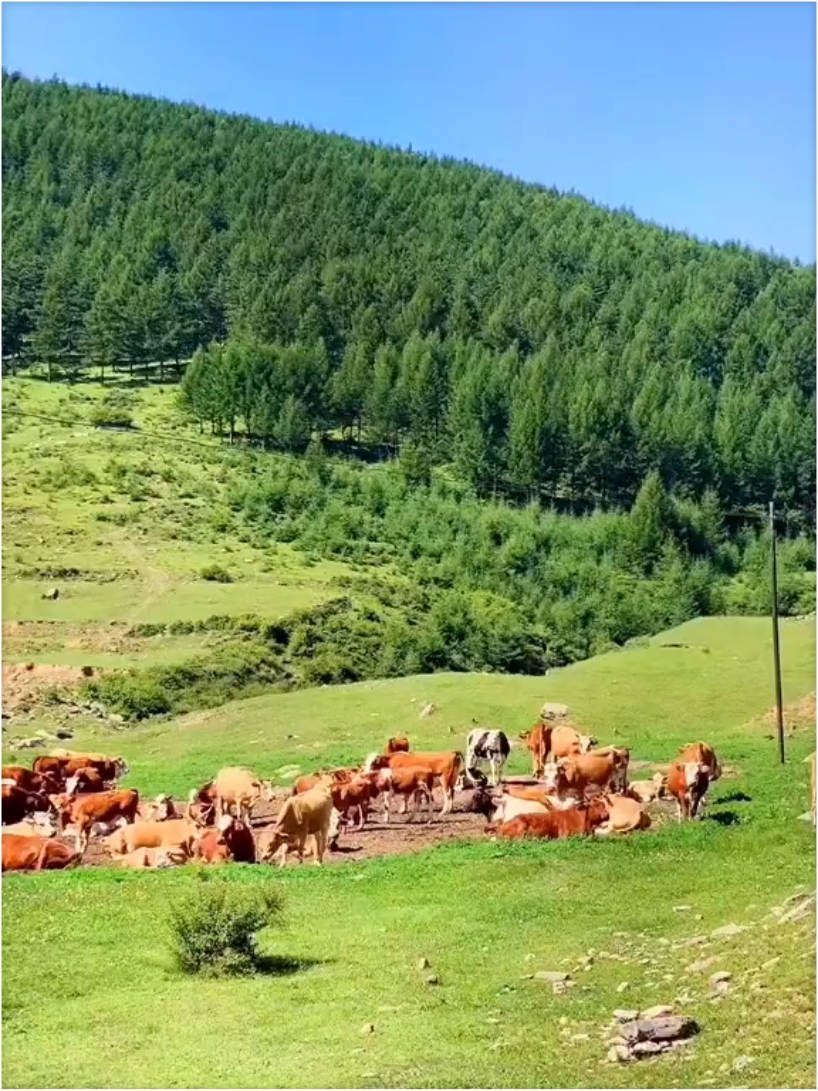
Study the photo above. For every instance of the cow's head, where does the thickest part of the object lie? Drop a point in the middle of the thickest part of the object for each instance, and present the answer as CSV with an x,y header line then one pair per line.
x,y
586,743
554,775
375,761
224,824
267,791
120,768
171,856
598,811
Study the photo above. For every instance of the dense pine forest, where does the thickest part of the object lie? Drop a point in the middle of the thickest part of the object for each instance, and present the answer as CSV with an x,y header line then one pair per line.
x,y
542,346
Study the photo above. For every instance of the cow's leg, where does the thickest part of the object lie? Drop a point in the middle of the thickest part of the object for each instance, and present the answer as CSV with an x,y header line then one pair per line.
x,y
495,779
361,817
320,847
430,807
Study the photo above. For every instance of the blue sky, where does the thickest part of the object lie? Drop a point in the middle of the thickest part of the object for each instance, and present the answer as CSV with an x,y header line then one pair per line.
x,y
700,116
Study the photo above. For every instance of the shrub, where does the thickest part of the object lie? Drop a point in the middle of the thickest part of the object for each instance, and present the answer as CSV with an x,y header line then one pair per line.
x,y
216,573
114,411
215,929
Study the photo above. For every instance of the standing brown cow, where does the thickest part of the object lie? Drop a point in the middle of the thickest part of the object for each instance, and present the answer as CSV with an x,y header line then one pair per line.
x,y
561,742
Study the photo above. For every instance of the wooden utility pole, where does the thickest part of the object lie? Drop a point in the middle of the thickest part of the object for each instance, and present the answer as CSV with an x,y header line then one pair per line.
x,y
779,706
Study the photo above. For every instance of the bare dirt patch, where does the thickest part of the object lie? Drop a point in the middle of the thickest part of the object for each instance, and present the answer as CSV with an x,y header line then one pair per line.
x,y
24,684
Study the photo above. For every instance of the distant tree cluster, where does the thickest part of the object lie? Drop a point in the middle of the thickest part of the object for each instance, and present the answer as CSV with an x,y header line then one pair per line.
x,y
546,346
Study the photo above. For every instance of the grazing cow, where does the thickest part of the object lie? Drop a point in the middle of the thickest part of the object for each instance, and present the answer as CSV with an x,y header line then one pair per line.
x,y
239,788
154,835
399,745
445,766
561,742
490,746
688,783
30,781
625,814
34,853
18,804
85,812
408,782
230,840
575,822
83,781
302,817
32,827
144,859
201,805
599,769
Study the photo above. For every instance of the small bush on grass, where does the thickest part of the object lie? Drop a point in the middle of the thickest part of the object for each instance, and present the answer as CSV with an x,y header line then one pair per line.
x,y
215,930
114,411
216,573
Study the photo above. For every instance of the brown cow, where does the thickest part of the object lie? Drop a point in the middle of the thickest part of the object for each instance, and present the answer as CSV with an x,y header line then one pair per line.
x,y
109,769
30,781
575,822
144,859
688,782
561,742
445,766
201,805
625,814
398,745
231,840
83,812
599,769
18,804
52,767
356,794
35,853
84,781
154,835
323,776
302,817
414,782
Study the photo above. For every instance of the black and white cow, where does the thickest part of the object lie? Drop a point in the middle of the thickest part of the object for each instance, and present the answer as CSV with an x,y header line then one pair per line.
x,y
484,745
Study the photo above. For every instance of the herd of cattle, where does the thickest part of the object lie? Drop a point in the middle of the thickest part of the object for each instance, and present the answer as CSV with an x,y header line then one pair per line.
x,y
577,789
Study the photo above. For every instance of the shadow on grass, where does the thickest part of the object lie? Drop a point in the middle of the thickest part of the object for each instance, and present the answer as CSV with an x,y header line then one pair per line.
x,y
282,966
724,818
734,797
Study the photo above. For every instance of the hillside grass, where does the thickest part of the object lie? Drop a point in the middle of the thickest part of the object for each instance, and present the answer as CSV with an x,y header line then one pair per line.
x,y
124,525
484,914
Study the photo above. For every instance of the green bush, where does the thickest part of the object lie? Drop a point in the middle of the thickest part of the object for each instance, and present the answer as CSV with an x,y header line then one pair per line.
x,y
215,929
114,411
216,573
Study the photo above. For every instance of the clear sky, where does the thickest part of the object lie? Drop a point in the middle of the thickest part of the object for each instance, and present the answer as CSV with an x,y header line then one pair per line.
x,y
700,116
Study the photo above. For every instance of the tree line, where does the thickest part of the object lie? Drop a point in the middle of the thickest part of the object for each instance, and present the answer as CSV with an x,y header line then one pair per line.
x,y
543,346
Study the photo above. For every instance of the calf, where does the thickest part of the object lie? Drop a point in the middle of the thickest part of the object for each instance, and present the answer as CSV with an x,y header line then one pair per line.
x,y
84,812
576,822
598,770
356,795
302,817
408,782
35,853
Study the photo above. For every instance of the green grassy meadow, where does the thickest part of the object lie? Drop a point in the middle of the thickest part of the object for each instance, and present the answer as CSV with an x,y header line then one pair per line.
x,y
484,914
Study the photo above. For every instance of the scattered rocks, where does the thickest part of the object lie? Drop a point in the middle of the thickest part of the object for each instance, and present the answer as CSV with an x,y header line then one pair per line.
x,y
580,1038
742,1062
728,930
682,908
719,978
802,906
432,979
658,1011
693,941
423,964
623,986
555,977
428,710
646,1037
368,1028
625,1015
619,1054
700,965
52,595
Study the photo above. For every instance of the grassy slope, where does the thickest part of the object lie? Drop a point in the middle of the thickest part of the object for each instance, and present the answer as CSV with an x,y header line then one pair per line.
x,y
483,914
150,514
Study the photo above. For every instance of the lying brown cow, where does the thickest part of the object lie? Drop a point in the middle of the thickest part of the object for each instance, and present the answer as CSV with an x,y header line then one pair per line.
x,y
555,825
625,815
35,853
18,804
145,859
175,832
231,840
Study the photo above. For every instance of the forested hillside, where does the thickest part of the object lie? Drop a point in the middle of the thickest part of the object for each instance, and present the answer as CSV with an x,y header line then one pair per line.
x,y
545,346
